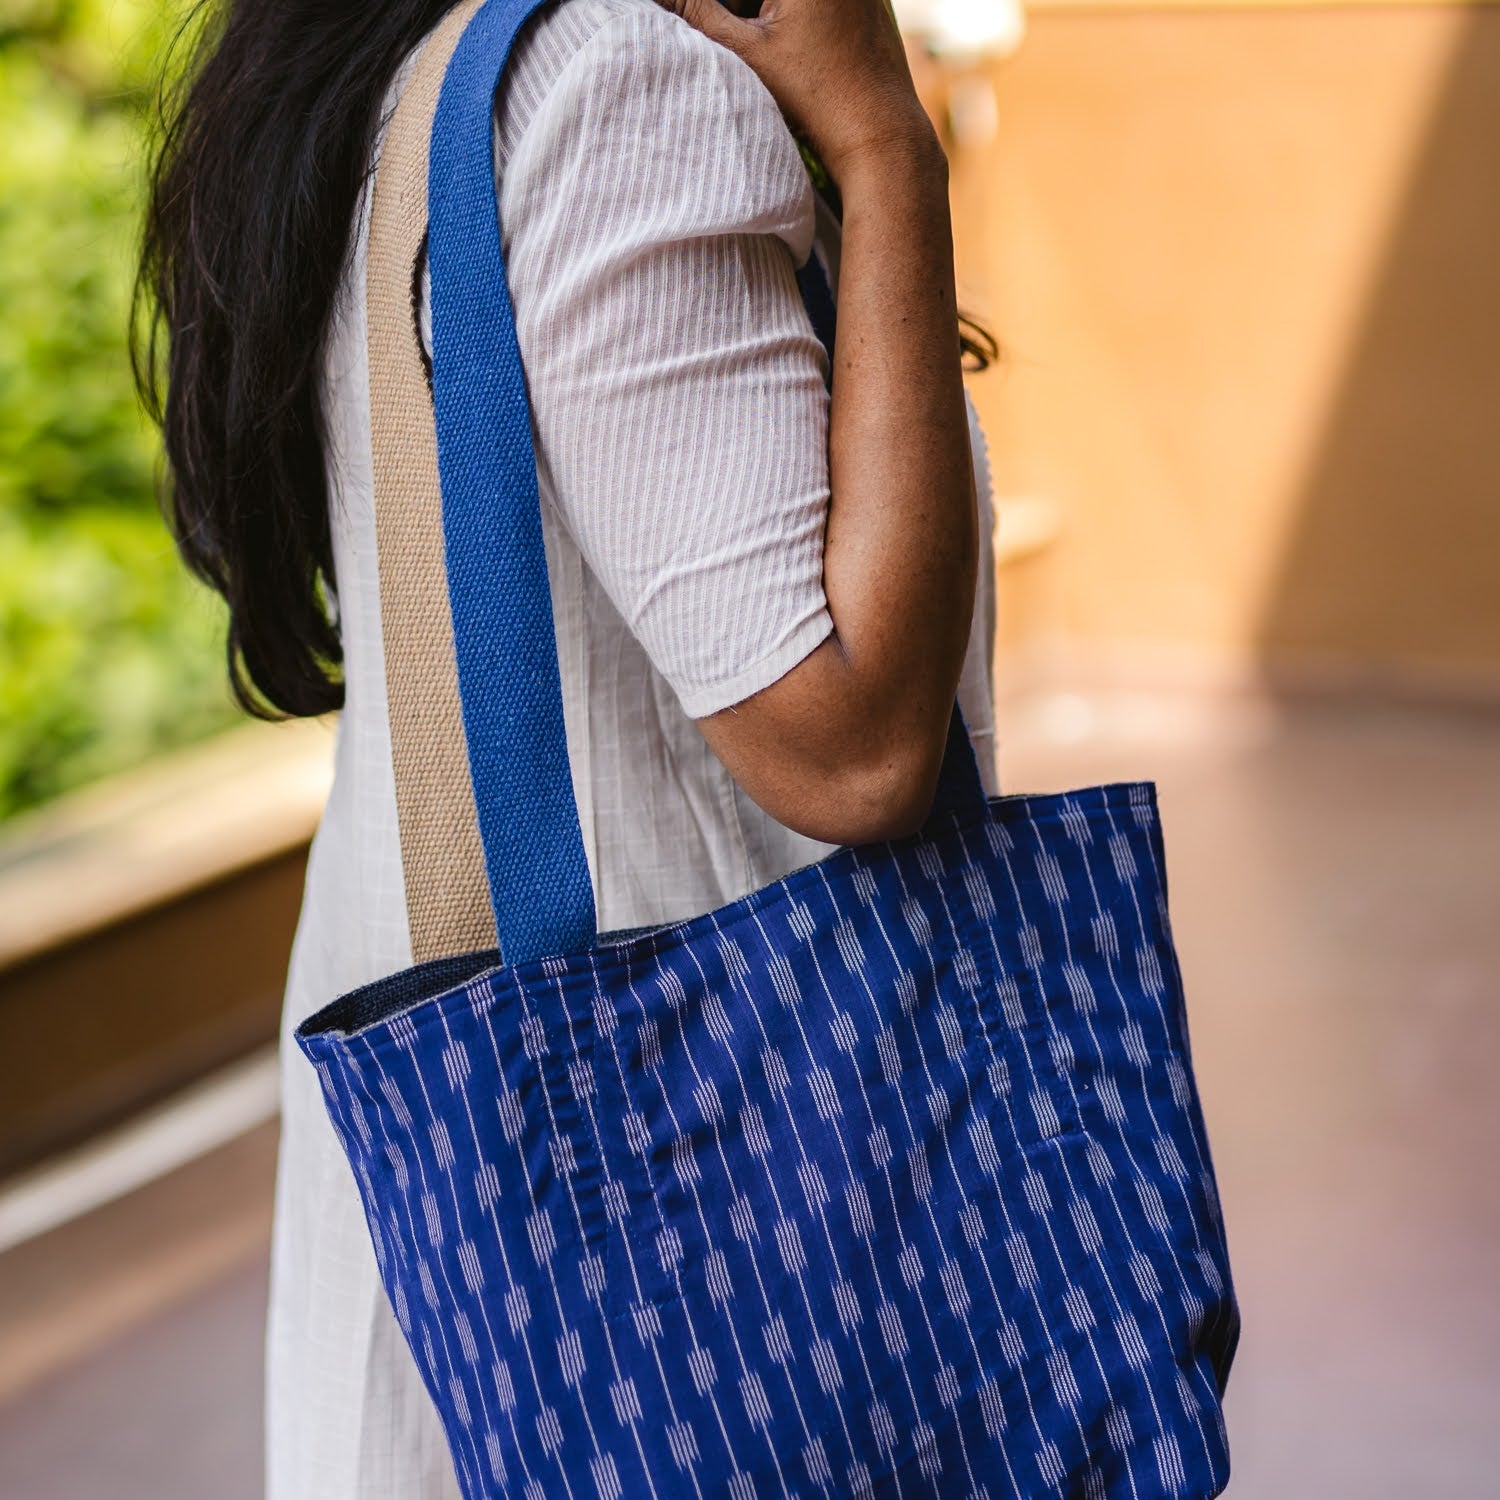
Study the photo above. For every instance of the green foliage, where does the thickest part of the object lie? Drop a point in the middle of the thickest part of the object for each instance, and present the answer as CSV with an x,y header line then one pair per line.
x,y
109,651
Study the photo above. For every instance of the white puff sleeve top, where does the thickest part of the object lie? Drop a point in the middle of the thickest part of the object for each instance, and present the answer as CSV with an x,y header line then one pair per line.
x,y
654,210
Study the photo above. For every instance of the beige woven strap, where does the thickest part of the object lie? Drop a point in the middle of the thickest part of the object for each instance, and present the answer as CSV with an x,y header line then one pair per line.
x,y
447,891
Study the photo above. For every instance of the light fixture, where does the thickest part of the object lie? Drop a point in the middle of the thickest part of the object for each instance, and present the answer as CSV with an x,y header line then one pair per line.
x,y
964,31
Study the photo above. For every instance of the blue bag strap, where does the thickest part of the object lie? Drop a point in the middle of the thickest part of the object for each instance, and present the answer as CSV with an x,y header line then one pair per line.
x,y
498,587
822,310
505,645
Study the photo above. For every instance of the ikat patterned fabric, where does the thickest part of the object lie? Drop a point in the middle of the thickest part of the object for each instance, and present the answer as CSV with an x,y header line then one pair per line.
x,y
890,1179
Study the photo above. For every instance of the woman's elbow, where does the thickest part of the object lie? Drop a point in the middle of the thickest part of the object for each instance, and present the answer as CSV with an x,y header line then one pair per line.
x,y
839,772
871,800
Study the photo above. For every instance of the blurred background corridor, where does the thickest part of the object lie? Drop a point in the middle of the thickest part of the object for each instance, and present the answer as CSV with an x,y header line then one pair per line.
x,y
1242,261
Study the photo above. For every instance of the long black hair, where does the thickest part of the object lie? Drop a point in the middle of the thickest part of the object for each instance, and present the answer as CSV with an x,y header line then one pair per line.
x,y
258,164
256,171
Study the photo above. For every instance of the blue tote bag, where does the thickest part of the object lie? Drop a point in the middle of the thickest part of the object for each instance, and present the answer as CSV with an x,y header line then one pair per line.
x,y
889,1179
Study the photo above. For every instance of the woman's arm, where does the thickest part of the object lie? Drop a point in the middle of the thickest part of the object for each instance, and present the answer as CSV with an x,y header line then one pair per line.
x,y
847,745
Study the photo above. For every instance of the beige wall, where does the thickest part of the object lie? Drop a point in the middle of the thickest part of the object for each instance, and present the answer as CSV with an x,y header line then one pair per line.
x,y
1247,266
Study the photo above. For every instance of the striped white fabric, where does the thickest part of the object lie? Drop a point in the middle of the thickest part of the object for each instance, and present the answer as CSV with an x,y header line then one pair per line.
x,y
654,208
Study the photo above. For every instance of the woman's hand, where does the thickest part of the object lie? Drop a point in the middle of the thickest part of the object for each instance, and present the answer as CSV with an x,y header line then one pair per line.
x,y
837,68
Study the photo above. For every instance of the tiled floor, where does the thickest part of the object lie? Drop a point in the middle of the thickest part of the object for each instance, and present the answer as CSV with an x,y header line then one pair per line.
x,y
171,1410
130,1341
1335,888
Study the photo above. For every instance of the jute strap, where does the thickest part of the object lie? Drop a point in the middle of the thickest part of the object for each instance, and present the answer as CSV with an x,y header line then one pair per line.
x,y
442,858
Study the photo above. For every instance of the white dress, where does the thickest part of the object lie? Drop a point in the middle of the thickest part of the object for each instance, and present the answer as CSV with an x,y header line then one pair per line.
x,y
654,208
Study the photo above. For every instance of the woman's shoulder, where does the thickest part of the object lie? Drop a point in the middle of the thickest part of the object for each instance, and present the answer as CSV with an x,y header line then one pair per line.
x,y
611,35
624,98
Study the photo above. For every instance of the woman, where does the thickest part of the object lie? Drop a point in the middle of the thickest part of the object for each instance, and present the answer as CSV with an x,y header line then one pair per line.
x,y
765,596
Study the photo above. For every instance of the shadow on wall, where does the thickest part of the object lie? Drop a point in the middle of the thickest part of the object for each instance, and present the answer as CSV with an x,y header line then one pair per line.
x,y
1396,537
1246,262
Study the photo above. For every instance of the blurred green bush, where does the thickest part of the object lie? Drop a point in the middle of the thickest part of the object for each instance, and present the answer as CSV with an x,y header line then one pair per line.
x,y
109,650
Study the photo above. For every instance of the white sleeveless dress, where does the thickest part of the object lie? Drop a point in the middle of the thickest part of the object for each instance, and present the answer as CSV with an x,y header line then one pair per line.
x,y
654,208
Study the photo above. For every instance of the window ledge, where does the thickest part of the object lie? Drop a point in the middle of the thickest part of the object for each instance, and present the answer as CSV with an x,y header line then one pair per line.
x,y
136,841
